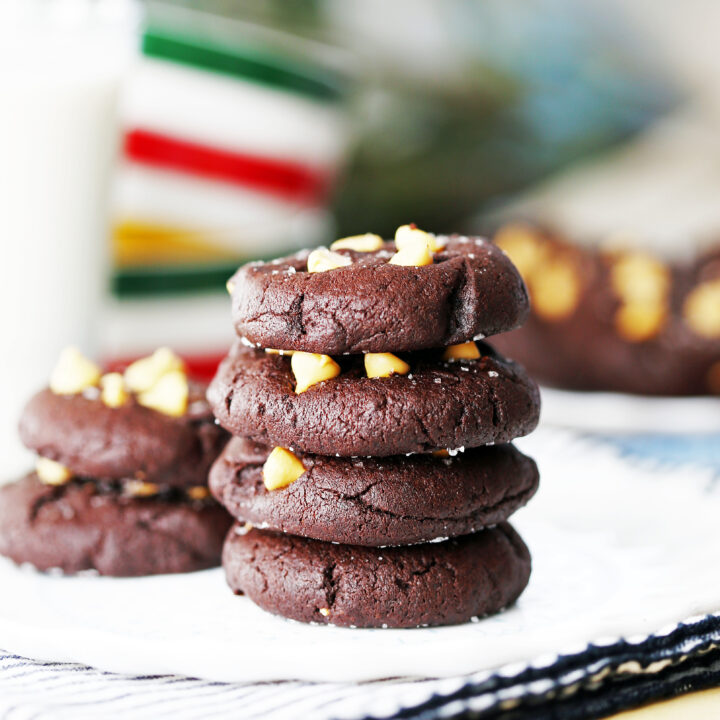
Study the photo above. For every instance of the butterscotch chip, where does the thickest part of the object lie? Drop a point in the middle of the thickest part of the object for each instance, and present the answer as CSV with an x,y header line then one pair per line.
x,y
146,372
139,488
322,260
230,286
51,472
113,390
640,278
199,492
410,235
169,395
522,245
369,242
384,364
413,255
281,469
702,309
555,289
414,247
638,321
463,351
312,368
73,373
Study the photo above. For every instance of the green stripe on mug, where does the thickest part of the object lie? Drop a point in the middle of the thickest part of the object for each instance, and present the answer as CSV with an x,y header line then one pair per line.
x,y
246,63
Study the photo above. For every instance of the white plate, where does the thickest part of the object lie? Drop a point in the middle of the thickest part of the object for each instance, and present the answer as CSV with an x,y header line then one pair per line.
x,y
618,550
622,413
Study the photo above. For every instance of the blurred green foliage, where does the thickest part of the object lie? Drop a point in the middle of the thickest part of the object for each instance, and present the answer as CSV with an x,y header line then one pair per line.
x,y
523,88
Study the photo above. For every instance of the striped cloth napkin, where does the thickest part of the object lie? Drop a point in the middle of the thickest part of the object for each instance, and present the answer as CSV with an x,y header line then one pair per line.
x,y
589,684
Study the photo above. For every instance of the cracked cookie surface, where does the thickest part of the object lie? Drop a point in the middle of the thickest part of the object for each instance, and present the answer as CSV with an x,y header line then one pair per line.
x,y
437,405
369,501
470,290
441,583
78,526
131,441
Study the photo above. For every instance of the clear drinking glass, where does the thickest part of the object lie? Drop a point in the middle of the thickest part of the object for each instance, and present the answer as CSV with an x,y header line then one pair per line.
x,y
60,66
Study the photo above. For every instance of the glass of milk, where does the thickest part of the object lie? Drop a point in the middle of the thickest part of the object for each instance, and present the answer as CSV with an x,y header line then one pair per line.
x,y
60,67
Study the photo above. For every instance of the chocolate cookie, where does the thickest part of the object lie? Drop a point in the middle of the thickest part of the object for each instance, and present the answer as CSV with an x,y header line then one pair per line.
x,y
611,320
390,501
81,526
437,405
431,584
132,441
470,290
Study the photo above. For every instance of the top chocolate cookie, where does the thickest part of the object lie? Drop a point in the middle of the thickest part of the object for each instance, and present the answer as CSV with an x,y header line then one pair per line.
x,y
376,301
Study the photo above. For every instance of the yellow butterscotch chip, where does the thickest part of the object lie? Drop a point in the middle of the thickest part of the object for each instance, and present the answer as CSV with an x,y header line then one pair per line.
x,y
198,492
413,257
384,364
51,472
409,236
555,289
463,351
413,248
312,368
145,372
522,245
281,469
638,321
140,488
73,373
322,260
113,390
702,309
230,286
169,395
325,612
639,277
369,242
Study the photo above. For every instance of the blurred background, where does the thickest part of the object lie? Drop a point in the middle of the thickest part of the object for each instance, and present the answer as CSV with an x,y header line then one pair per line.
x,y
149,148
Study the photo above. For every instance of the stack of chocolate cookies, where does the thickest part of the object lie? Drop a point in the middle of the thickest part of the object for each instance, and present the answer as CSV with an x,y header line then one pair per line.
x,y
120,485
371,472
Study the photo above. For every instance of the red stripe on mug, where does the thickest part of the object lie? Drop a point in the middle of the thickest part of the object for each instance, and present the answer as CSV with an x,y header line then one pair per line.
x,y
287,179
